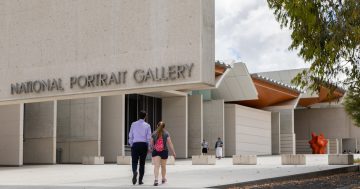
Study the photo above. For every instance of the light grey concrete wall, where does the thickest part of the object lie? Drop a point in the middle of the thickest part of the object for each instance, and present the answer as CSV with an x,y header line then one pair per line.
x,y
175,116
287,143
332,122
71,38
112,127
303,147
275,133
195,130
333,146
214,123
230,129
207,40
287,134
253,131
40,133
11,135
78,128
286,121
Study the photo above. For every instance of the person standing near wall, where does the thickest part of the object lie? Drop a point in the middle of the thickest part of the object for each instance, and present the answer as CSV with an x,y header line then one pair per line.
x,y
218,148
204,147
160,141
139,139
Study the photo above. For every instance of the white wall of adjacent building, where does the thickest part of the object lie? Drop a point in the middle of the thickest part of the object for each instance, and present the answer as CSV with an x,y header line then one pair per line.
x,y
248,131
332,122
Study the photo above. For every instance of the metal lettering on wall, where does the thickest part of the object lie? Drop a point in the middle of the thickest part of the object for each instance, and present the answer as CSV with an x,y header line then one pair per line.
x,y
157,74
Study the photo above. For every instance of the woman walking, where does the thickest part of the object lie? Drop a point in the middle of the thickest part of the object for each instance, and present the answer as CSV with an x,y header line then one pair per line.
x,y
160,141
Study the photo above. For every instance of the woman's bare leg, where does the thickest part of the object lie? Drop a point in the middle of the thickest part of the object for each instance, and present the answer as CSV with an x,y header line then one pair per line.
x,y
163,168
156,161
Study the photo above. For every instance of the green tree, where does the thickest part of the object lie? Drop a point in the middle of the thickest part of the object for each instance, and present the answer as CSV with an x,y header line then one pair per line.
x,y
326,34
352,105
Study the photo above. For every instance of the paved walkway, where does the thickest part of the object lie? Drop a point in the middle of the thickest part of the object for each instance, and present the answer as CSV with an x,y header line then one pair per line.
x,y
181,175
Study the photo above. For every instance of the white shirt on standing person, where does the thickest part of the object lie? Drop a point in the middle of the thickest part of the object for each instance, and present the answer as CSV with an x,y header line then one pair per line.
x,y
218,148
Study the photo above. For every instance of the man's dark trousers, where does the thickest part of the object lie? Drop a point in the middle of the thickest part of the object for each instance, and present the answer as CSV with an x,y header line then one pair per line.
x,y
139,151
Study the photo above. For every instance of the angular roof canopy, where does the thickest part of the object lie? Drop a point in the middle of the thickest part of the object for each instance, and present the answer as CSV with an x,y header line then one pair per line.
x,y
236,84
264,89
270,92
220,68
322,97
308,98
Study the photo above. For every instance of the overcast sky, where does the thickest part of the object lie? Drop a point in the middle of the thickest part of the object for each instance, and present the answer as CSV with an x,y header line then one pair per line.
x,y
246,31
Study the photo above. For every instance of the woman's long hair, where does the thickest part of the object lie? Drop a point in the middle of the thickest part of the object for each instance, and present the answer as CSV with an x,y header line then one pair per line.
x,y
160,129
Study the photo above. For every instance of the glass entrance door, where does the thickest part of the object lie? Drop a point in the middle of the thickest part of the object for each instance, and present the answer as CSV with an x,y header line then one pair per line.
x,y
134,103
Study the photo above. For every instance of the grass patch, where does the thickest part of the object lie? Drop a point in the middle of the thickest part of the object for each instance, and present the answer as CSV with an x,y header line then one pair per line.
x,y
357,160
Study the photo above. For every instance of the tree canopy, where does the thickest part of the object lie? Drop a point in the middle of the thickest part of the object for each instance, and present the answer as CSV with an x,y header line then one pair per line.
x,y
326,34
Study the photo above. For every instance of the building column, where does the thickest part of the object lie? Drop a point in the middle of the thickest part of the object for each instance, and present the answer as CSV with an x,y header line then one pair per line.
x,y
230,132
287,128
275,133
195,132
112,127
175,116
11,134
214,123
287,135
40,133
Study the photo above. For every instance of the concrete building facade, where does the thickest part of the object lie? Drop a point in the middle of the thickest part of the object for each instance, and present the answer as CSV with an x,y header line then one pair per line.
x,y
68,68
75,74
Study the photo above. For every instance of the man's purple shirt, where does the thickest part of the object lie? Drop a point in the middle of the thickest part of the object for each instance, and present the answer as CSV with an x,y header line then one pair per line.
x,y
139,132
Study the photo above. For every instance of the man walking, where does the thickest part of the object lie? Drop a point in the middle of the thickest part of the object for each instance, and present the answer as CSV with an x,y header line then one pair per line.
x,y
218,148
139,139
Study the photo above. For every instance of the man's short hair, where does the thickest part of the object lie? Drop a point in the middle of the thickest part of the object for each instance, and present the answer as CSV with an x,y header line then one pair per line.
x,y
142,114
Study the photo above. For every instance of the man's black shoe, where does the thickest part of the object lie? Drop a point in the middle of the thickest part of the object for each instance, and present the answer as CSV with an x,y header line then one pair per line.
x,y
134,178
141,183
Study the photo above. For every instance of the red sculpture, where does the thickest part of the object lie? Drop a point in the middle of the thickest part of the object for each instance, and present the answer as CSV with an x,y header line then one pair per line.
x,y
318,143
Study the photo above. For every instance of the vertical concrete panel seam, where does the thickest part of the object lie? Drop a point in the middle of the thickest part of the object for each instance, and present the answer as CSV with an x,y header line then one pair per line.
x,y
54,130
186,127
202,117
21,143
99,126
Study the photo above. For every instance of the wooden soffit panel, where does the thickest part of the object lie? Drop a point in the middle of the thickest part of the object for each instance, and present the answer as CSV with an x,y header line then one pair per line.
x,y
269,94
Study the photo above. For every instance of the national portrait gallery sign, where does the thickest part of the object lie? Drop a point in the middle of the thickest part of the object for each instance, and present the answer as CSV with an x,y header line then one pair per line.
x,y
103,48
140,76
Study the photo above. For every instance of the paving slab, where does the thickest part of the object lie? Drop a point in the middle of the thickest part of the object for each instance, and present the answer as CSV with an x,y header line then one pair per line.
x,y
181,175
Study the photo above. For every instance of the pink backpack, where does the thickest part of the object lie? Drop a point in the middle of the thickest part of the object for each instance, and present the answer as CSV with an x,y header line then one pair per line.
x,y
159,144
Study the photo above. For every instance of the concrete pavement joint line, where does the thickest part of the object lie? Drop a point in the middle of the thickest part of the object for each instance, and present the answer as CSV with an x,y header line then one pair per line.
x,y
328,172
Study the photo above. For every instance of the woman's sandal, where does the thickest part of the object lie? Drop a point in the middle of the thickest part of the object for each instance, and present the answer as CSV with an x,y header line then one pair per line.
x,y
156,183
163,181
